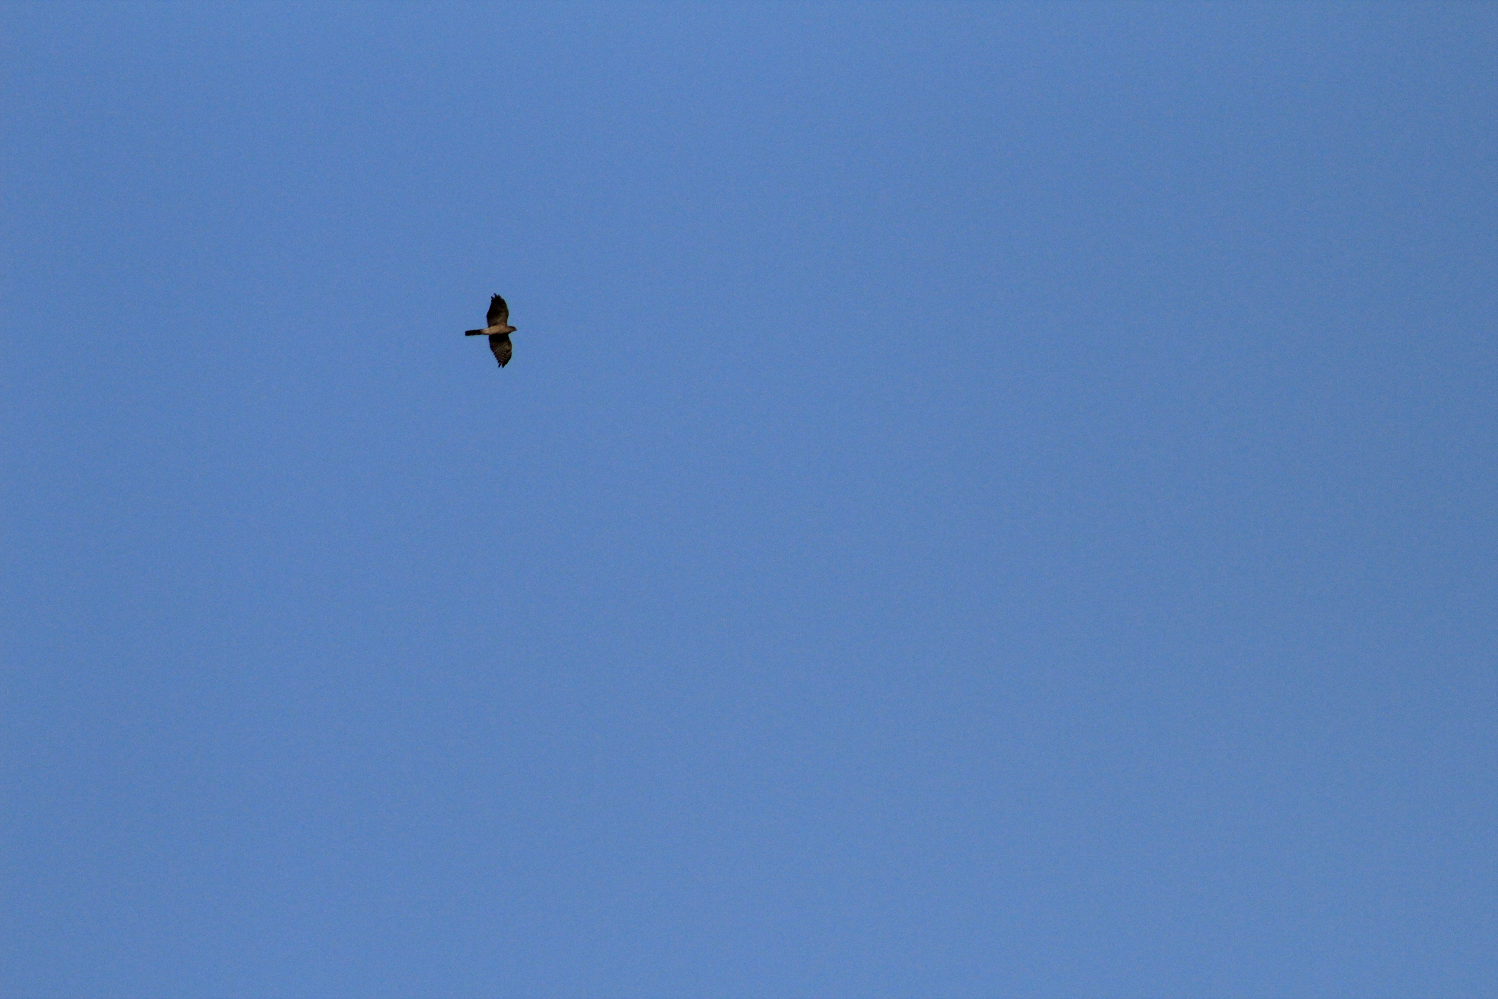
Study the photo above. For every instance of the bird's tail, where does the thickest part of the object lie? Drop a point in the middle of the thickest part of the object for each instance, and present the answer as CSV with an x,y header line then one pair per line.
x,y
474,332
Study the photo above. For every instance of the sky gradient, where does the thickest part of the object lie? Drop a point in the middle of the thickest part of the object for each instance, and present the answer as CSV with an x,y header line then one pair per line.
x,y
987,501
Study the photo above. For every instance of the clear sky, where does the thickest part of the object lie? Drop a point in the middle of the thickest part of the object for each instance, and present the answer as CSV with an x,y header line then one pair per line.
x,y
988,501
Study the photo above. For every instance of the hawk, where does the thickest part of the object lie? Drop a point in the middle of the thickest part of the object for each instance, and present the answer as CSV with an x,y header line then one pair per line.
x,y
499,330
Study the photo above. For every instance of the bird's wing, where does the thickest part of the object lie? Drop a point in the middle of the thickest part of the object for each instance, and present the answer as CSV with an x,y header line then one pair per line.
x,y
499,312
500,344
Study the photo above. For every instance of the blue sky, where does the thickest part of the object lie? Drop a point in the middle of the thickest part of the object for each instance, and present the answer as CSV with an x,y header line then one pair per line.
x,y
988,501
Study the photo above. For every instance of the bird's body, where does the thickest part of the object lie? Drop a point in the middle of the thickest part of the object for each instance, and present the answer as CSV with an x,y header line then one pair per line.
x,y
499,330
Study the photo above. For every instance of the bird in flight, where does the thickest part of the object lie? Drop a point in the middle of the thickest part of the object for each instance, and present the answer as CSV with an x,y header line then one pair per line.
x,y
499,330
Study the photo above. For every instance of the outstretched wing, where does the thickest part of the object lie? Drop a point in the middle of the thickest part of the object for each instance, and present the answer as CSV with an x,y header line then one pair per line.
x,y
500,344
499,312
